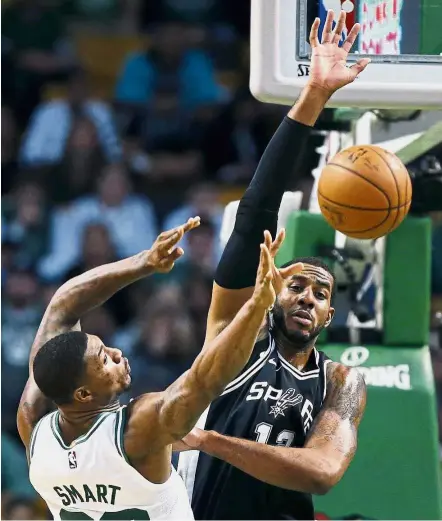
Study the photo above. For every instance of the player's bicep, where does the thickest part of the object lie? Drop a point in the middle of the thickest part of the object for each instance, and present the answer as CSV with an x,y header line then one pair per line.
x,y
335,429
160,419
224,307
33,406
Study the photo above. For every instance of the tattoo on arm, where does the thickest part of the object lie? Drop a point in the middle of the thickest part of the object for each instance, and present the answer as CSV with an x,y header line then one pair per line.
x,y
346,393
337,424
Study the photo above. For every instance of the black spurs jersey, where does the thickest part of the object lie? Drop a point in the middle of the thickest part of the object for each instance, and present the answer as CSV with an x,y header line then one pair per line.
x,y
269,402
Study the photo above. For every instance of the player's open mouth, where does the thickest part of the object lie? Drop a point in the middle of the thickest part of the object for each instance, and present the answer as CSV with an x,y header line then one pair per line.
x,y
126,363
302,317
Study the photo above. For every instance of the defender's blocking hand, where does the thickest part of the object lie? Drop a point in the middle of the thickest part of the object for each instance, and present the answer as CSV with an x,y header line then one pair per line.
x,y
280,275
270,280
328,70
264,294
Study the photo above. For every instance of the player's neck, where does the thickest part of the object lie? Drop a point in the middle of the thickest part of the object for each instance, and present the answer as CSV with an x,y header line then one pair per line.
x,y
81,415
296,354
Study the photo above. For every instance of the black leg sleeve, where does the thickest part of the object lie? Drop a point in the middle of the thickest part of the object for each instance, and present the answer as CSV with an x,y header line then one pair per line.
x,y
258,209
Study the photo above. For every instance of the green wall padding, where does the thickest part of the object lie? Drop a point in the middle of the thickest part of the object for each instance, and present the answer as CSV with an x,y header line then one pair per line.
x,y
407,279
395,473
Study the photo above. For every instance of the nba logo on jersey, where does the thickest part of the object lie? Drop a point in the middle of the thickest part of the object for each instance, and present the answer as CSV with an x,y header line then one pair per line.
x,y
289,398
72,458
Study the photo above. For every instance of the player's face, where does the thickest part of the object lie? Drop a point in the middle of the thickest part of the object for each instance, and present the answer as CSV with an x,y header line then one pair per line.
x,y
302,309
107,371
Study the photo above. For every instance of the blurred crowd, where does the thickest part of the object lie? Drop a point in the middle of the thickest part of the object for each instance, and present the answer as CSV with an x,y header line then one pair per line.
x,y
101,151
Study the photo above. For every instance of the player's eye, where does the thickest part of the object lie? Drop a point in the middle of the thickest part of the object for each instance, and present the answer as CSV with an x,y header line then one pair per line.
x,y
296,288
105,359
321,296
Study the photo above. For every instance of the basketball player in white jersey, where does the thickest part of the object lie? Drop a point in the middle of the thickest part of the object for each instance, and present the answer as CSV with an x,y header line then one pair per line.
x,y
92,458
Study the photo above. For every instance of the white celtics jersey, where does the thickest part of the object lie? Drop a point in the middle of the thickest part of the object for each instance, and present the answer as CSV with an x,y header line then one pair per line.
x,y
92,479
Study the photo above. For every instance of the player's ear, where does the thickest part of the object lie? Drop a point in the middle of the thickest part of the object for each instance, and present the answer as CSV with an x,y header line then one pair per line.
x,y
83,395
331,313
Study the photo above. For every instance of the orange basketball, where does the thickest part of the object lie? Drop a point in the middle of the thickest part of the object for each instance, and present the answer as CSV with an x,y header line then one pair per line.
x,y
364,192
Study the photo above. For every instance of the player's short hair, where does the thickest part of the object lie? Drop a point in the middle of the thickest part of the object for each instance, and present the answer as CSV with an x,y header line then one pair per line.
x,y
314,261
59,366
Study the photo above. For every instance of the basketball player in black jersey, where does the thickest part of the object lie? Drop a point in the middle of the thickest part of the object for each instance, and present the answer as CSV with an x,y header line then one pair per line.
x,y
286,427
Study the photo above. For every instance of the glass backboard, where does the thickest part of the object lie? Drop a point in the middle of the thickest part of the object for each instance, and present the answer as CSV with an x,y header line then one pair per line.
x,y
402,37
399,31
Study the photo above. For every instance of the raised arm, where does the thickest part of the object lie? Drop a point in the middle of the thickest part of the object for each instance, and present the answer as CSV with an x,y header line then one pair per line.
x,y
79,295
328,451
160,419
258,209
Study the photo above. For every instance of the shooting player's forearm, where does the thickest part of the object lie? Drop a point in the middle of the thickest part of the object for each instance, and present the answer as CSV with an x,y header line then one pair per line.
x,y
94,287
300,469
219,362
81,294
224,357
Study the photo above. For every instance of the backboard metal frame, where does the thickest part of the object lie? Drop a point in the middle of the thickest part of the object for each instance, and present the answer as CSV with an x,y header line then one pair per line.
x,y
278,76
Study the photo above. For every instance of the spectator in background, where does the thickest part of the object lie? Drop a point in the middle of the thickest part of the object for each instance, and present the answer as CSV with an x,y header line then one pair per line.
x,y
47,136
234,142
202,200
198,291
129,218
100,322
221,20
192,11
97,249
200,250
21,314
25,223
14,474
19,509
165,346
199,255
34,37
115,15
169,69
9,250
163,86
9,137
76,175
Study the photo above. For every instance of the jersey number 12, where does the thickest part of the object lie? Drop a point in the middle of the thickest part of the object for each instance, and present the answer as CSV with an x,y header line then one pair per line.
x,y
285,438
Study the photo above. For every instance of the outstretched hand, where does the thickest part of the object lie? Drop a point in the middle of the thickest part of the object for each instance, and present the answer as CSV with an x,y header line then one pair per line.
x,y
328,69
162,255
270,280
281,274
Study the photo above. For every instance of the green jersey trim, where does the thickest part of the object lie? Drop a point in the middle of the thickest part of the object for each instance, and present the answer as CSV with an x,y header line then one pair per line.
x,y
55,426
34,436
120,425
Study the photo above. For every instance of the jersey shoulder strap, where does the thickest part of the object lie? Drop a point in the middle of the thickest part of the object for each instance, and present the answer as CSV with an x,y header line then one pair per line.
x,y
46,419
120,426
323,361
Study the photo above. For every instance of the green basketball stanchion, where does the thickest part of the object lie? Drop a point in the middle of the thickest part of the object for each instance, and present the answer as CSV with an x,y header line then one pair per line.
x,y
407,273
304,232
395,473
